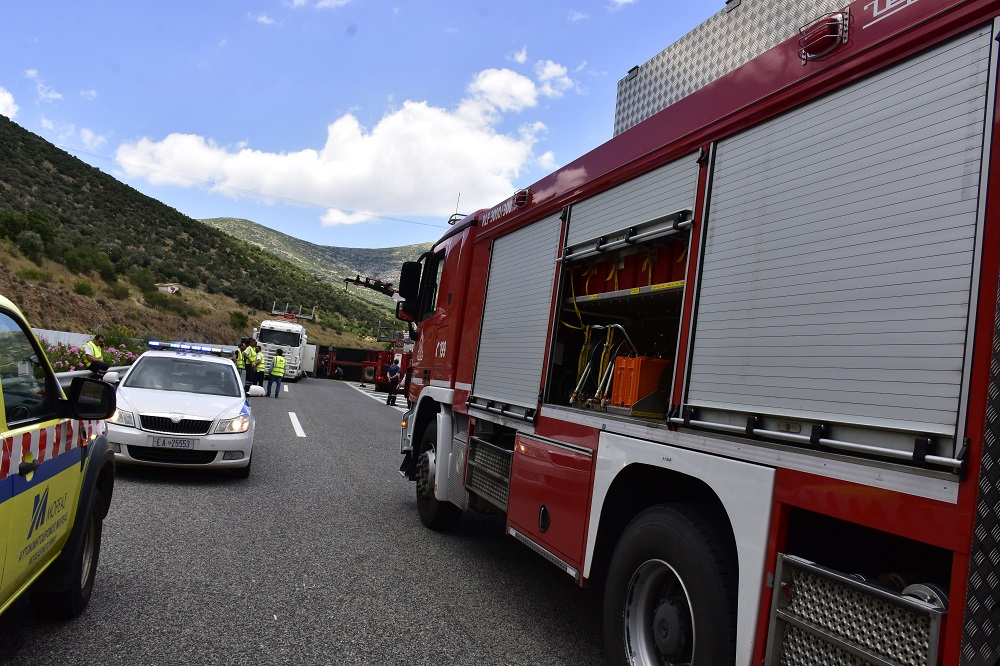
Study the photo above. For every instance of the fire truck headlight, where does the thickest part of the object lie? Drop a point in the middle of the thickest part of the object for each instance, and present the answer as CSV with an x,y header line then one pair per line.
x,y
240,424
122,418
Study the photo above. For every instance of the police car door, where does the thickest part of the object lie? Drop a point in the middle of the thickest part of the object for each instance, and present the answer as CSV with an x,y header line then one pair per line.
x,y
40,464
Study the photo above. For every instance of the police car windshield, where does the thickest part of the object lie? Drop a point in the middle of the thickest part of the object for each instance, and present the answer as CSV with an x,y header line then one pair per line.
x,y
286,338
183,374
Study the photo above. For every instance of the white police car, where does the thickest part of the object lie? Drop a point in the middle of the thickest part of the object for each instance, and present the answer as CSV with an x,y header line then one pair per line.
x,y
183,409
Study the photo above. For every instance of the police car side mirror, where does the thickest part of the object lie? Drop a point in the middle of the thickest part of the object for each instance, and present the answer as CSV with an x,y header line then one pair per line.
x,y
255,391
112,377
89,399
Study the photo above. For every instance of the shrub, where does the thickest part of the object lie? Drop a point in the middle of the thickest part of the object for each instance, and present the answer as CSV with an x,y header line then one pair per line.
x,y
155,299
116,335
238,320
35,275
118,291
83,288
144,279
32,246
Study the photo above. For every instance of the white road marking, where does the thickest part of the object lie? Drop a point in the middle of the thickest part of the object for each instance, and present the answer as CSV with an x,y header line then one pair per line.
x,y
296,425
369,390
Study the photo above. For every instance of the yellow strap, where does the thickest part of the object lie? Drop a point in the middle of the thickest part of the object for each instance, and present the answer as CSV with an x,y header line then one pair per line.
x,y
586,284
572,291
613,273
647,265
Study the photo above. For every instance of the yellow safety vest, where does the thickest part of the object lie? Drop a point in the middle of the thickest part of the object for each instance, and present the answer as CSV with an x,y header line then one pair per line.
x,y
261,361
251,357
278,370
240,361
91,349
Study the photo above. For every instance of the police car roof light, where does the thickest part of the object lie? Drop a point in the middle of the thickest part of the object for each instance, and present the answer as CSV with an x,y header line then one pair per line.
x,y
185,346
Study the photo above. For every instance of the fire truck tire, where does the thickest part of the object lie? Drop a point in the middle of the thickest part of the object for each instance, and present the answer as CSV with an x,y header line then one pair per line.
x,y
434,513
368,374
671,591
68,597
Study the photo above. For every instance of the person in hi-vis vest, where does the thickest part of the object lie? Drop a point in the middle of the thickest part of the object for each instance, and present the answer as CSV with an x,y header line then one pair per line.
x,y
240,359
261,365
277,373
94,352
251,363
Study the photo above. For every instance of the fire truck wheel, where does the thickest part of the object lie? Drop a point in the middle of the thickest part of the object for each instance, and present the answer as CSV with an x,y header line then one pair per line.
x,y
671,591
434,513
67,597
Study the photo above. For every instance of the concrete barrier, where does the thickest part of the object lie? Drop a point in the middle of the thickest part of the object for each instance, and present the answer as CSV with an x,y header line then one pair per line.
x,y
66,378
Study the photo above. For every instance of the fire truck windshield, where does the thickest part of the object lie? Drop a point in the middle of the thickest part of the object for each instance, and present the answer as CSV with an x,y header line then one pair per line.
x,y
286,338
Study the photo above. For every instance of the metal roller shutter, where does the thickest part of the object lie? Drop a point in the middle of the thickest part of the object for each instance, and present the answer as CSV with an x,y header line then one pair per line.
x,y
668,189
516,317
840,249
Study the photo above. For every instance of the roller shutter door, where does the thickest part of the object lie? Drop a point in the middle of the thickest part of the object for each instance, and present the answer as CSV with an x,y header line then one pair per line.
x,y
838,265
641,200
516,317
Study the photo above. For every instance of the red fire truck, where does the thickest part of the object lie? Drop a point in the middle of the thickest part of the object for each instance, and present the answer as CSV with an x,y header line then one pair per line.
x,y
377,371
740,364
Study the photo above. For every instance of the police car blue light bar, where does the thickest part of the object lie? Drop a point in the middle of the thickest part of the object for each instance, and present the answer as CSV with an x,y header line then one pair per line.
x,y
187,346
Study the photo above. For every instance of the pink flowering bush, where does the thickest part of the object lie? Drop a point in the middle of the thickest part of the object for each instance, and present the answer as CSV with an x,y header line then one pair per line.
x,y
68,358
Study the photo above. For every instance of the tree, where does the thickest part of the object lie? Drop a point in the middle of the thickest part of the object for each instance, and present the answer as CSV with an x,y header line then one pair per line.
x,y
31,245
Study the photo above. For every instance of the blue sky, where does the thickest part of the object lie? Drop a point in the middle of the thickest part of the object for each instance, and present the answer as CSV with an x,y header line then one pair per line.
x,y
356,123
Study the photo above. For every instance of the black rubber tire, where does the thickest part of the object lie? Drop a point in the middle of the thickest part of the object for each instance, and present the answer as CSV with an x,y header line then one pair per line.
x,y
243,472
66,598
435,514
670,596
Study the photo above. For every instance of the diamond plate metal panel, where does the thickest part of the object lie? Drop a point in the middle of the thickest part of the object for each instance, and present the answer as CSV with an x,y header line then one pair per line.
x,y
725,41
980,642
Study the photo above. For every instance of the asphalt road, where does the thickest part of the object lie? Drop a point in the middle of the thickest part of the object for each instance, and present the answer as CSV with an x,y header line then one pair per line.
x,y
318,558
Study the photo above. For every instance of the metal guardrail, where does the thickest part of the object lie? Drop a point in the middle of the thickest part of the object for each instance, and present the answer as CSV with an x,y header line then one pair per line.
x,y
66,378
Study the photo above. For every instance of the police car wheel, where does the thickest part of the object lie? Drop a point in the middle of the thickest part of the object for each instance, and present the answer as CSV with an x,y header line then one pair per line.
x,y
67,597
434,513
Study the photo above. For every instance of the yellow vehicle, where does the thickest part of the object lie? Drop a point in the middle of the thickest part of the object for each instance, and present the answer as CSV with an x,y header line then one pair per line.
x,y
56,475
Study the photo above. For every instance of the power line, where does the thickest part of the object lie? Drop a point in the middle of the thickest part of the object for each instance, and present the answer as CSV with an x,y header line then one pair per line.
x,y
253,193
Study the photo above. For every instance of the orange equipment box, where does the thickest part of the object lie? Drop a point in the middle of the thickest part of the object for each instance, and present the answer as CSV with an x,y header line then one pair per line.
x,y
635,378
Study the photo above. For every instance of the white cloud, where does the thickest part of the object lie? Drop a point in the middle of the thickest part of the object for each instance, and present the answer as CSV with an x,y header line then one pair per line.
x,y
62,131
575,16
45,93
92,139
521,56
504,90
263,19
88,95
323,4
553,77
413,162
547,161
7,105
618,4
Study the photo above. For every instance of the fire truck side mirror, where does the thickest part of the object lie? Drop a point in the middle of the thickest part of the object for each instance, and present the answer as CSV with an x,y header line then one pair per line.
x,y
409,281
406,311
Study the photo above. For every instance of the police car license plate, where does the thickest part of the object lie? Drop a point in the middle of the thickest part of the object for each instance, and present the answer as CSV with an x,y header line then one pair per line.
x,y
174,442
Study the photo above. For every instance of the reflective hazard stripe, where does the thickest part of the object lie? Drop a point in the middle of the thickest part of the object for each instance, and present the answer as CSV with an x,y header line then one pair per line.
x,y
63,436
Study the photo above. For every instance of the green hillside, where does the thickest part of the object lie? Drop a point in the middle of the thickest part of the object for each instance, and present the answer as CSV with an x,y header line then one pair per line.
x,y
327,262
55,207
